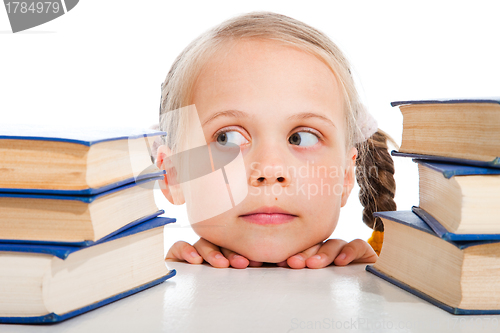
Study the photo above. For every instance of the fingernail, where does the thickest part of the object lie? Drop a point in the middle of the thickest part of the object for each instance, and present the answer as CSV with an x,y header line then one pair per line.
x,y
236,256
317,257
298,256
342,256
194,254
219,256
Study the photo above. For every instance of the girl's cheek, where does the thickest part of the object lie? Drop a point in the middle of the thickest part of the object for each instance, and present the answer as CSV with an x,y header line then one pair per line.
x,y
324,175
212,230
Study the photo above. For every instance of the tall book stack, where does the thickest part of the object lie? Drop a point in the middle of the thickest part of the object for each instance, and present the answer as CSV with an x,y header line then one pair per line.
x,y
447,250
79,227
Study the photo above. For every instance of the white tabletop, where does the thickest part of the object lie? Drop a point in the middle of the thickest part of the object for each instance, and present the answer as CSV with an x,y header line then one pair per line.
x,y
269,299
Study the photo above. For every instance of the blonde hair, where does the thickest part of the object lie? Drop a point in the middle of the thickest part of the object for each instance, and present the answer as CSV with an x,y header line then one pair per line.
x,y
176,89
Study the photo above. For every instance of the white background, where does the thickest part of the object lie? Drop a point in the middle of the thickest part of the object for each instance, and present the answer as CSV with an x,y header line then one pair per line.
x,y
103,62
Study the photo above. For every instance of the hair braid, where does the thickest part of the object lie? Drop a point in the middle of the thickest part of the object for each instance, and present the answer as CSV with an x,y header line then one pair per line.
x,y
375,176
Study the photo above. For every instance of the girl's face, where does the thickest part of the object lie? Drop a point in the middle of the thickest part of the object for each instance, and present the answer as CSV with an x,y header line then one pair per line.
x,y
285,109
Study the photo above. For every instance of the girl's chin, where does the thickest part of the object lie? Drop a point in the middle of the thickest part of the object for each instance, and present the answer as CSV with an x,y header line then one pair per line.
x,y
268,259
268,255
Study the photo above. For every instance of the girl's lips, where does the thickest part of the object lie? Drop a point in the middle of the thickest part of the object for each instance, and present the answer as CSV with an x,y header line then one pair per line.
x,y
262,218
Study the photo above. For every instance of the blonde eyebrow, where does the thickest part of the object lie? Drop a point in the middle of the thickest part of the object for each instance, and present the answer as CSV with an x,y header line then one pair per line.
x,y
241,114
228,113
306,115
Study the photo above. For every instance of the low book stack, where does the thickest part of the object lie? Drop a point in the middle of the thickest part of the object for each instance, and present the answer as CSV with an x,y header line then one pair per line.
x,y
447,250
79,227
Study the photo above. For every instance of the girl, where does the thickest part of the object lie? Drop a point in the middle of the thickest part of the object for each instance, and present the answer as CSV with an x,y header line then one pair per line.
x,y
283,92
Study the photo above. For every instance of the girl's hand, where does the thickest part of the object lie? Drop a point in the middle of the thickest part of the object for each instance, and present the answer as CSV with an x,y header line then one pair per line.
x,y
204,250
320,255
337,251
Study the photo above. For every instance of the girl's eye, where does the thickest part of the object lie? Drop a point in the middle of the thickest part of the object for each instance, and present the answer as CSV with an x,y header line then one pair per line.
x,y
231,136
305,139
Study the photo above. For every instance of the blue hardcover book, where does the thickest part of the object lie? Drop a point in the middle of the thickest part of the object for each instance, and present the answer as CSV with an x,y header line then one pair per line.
x,y
459,202
451,170
461,277
486,100
75,220
495,163
441,231
75,161
49,283
463,131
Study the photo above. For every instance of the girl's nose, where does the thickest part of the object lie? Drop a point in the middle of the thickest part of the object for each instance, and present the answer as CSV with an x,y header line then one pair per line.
x,y
270,162
270,173
270,180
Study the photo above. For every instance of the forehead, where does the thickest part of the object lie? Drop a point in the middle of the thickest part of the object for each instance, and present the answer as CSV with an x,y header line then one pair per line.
x,y
265,75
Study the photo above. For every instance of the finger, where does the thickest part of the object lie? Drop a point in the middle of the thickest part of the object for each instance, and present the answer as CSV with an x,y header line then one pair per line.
x,y
357,251
326,254
255,263
235,260
211,253
282,264
299,260
184,251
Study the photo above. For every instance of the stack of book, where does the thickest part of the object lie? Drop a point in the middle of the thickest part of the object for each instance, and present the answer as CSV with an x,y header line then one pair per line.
x,y
79,227
447,250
